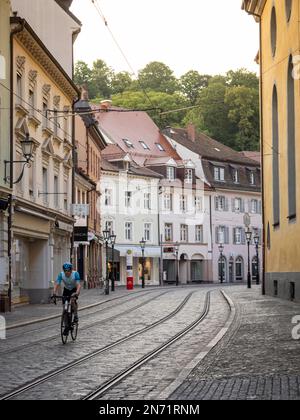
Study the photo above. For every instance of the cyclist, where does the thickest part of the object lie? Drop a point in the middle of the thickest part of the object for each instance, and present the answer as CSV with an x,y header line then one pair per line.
x,y
72,286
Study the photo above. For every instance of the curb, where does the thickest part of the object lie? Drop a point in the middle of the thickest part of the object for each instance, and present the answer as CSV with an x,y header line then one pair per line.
x,y
183,375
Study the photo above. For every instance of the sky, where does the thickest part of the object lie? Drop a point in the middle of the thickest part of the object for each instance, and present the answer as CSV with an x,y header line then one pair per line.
x,y
210,36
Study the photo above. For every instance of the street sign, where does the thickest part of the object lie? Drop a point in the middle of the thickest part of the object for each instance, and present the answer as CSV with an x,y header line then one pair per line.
x,y
80,210
247,220
81,234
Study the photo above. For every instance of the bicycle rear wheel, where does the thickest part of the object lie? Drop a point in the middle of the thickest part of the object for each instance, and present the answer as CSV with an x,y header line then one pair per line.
x,y
64,328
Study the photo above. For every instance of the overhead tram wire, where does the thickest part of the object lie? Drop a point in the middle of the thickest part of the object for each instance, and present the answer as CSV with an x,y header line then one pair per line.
x,y
97,7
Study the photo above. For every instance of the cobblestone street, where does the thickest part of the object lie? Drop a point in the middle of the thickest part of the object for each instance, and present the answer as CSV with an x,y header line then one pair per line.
x,y
241,349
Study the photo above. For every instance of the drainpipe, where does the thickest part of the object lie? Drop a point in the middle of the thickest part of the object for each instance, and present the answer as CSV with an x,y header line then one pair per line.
x,y
19,29
262,165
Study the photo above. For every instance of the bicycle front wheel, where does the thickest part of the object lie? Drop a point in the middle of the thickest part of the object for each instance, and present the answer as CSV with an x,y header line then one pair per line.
x,y
74,329
64,330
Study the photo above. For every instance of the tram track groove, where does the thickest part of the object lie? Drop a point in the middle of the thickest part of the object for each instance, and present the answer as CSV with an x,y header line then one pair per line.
x,y
40,380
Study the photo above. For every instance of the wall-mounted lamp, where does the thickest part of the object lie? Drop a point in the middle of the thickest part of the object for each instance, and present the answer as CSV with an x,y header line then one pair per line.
x,y
27,149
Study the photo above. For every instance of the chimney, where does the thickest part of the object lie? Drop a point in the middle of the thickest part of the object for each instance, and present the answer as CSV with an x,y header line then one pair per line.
x,y
84,93
191,132
105,105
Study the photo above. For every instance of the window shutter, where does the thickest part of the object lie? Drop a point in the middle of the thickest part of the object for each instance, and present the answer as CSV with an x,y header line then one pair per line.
x,y
242,206
217,236
233,205
227,235
259,207
243,237
234,236
216,203
226,204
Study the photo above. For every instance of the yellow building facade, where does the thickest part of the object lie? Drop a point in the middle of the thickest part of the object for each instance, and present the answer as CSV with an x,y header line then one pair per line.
x,y
280,110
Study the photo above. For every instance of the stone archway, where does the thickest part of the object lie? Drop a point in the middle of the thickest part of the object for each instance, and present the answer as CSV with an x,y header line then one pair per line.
x,y
197,268
183,269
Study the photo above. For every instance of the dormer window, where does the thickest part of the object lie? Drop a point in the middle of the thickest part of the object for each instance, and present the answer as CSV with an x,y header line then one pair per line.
x,y
236,178
252,178
128,143
160,147
144,145
219,174
189,176
170,173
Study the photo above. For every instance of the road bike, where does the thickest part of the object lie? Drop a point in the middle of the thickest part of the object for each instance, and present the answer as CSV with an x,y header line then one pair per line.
x,y
67,326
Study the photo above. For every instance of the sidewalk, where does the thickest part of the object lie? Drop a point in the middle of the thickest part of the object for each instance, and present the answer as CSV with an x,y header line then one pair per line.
x,y
257,360
32,313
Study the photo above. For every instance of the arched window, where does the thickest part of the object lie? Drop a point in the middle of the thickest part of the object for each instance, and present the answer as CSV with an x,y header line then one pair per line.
x,y
239,269
288,8
273,31
292,199
254,268
275,135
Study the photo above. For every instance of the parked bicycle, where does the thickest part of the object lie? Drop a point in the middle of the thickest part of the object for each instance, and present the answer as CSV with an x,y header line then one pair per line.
x,y
68,325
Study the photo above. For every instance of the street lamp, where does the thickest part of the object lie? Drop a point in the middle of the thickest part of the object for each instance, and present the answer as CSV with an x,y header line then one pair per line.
x,y
143,245
176,252
27,149
256,241
113,239
106,238
248,238
221,249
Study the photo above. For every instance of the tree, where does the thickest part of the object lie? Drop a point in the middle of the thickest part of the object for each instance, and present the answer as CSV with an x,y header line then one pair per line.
x,y
191,83
243,103
158,77
101,80
82,73
242,77
121,82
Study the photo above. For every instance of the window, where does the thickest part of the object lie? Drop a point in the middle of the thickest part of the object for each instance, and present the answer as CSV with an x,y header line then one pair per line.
x,y
128,231
128,143
239,269
19,89
221,203
145,146
273,31
222,235
171,173
219,174
147,232
184,233
147,201
291,119
45,114
56,191
168,202
288,8
238,205
31,100
183,203
189,176
198,204
199,234
128,198
108,197
236,178
160,147
275,157
45,185
109,225
254,206
66,194
168,232
238,236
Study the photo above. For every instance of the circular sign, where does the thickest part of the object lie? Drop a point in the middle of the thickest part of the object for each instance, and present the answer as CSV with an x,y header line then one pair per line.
x,y
247,220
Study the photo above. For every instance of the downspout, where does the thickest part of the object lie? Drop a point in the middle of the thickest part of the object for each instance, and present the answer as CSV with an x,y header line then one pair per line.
x,y
262,165
19,29
73,172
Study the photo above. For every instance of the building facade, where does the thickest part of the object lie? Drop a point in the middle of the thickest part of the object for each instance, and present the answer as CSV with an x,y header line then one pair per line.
x,y
89,144
231,188
42,222
4,142
280,109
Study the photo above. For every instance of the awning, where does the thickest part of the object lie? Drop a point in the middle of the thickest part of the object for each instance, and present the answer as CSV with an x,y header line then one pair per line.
x,y
150,251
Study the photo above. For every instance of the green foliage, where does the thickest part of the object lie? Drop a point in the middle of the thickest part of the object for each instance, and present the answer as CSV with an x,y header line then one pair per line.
x,y
227,105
